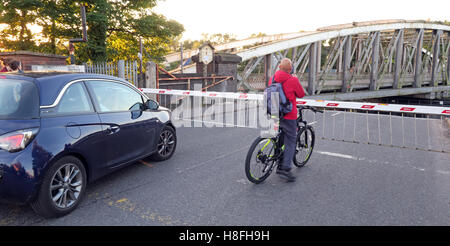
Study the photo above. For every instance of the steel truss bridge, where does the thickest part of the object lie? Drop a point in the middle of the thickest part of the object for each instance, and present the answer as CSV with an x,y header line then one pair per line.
x,y
356,61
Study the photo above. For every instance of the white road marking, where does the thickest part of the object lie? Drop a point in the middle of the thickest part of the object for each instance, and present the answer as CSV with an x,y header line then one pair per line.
x,y
337,155
376,161
443,172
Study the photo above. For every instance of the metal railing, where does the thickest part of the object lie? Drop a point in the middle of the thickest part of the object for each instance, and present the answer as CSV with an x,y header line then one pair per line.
x,y
127,70
406,130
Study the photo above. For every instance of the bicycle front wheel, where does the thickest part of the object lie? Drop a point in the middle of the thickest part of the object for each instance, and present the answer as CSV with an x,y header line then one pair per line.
x,y
258,164
304,146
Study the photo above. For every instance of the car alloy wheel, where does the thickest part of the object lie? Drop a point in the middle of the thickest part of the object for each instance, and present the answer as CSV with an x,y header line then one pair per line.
x,y
66,185
166,143
62,188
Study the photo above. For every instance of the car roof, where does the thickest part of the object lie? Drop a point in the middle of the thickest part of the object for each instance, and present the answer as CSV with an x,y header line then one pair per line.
x,y
36,74
51,83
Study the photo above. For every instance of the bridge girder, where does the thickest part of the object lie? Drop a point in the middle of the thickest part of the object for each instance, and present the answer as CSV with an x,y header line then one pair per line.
x,y
366,57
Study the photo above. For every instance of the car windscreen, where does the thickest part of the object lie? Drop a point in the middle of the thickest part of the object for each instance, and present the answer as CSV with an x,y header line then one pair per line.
x,y
18,100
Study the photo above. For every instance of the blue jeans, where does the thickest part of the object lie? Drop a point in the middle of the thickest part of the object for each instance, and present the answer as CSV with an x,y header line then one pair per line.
x,y
288,138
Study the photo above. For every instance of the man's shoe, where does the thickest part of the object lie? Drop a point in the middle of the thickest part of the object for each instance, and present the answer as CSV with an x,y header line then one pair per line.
x,y
286,175
280,168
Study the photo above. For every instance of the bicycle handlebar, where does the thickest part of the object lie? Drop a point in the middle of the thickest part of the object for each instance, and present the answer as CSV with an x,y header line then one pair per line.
x,y
315,110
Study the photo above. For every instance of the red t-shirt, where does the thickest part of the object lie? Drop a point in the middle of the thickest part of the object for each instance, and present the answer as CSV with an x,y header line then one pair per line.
x,y
292,89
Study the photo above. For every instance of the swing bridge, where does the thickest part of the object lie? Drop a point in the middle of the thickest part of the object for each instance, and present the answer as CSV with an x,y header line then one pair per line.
x,y
353,61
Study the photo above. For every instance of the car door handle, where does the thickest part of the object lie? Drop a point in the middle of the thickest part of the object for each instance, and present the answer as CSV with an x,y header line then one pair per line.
x,y
113,129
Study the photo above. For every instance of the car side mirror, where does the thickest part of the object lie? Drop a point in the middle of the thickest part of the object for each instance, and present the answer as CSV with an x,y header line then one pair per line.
x,y
137,107
152,105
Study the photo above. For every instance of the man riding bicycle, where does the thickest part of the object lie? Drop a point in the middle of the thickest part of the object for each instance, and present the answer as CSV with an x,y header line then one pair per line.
x,y
288,123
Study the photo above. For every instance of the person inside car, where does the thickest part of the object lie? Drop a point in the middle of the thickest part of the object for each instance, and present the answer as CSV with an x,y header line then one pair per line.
x,y
15,66
4,65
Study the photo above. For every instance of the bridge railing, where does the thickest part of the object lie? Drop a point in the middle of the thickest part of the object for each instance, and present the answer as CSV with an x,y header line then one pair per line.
x,y
394,125
333,81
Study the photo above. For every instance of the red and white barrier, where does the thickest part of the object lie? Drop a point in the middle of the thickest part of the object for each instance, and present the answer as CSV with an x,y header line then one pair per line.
x,y
215,94
397,108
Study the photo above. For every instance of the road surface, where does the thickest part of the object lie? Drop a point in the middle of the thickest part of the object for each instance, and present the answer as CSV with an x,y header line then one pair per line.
x,y
204,184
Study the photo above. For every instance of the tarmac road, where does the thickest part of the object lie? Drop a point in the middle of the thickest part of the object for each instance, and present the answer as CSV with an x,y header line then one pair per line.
x,y
204,184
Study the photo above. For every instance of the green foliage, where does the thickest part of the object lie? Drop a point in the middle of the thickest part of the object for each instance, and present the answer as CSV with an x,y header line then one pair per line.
x,y
59,21
127,22
218,38
257,35
17,14
114,28
214,39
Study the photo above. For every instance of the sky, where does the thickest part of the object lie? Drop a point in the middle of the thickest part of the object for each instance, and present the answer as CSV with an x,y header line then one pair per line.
x,y
245,17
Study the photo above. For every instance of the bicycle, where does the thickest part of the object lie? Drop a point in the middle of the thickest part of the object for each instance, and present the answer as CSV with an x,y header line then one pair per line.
x,y
265,153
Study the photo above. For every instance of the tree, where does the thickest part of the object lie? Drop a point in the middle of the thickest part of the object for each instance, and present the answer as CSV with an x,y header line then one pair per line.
x,y
114,28
97,12
257,35
218,38
126,23
17,15
214,39
155,31
60,21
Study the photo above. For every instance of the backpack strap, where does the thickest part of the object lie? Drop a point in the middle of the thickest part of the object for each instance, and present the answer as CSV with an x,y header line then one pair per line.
x,y
273,79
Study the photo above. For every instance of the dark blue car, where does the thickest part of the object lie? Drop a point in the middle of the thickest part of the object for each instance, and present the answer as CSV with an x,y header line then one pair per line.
x,y
60,132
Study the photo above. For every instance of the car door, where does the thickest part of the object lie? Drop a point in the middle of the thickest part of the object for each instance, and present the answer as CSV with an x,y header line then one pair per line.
x,y
129,129
73,125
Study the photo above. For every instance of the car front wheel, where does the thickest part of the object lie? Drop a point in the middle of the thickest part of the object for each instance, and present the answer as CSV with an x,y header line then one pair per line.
x,y
167,143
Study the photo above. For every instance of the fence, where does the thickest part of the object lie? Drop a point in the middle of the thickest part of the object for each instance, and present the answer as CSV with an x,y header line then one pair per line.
x,y
394,125
127,70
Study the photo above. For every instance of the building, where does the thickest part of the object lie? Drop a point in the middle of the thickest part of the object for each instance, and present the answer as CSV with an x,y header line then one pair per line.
x,y
28,58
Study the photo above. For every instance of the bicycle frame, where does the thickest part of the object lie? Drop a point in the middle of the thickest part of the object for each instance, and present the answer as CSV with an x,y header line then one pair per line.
x,y
277,142
271,161
302,124
270,150
300,121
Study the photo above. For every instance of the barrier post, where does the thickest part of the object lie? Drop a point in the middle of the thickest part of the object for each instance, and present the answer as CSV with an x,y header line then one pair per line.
x,y
150,77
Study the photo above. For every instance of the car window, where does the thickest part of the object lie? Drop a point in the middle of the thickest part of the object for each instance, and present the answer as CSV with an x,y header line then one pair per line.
x,y
18,100
114,97
74,100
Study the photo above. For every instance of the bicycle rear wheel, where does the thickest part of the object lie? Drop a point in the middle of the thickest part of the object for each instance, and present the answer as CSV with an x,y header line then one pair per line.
x,y
258,163
304,146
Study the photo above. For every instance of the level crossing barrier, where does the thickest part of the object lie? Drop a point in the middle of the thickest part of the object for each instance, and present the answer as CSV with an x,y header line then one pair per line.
x,y
394,125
